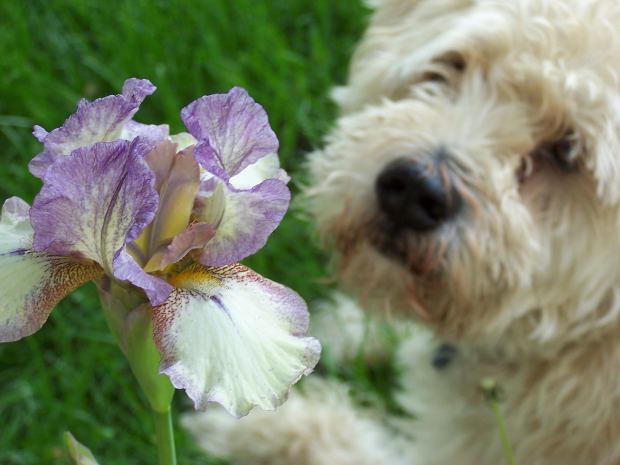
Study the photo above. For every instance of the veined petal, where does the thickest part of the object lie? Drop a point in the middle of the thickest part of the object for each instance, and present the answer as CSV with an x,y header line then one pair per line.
x,y
243,219
100,120
94,201
151,132
31,284
232,129
230,336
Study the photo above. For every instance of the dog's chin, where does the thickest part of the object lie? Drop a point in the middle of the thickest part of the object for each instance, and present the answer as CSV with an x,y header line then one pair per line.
x,y
421,254
398,272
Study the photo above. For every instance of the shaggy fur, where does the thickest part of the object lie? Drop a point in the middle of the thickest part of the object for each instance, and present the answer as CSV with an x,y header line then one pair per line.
x,y
523,97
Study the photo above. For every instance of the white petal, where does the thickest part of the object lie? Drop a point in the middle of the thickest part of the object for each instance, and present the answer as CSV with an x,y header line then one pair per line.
x,y
265,168
183,140
31,284
15,229
230,336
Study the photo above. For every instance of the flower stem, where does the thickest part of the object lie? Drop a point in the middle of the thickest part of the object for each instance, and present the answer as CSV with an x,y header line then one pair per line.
x,y
503,435
489,386
165,437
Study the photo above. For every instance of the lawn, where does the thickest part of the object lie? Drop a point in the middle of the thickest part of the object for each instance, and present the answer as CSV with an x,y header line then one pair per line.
x,y
287,53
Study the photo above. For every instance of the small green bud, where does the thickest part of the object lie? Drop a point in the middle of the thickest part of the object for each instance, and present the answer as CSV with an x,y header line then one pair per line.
x,y
79,453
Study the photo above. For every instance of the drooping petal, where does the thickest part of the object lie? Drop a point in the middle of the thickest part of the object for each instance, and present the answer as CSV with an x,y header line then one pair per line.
x,y
100,120
95,201
232,129
125,268
31,284
230,336
243,219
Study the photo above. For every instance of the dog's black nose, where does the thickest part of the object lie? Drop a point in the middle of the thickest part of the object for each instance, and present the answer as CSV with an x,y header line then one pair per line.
x,y
416,196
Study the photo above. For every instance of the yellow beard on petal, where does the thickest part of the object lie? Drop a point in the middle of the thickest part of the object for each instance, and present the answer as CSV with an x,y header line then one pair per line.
x,y
195,276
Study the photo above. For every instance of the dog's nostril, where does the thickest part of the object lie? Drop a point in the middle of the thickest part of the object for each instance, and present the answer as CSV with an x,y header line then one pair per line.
x,y
433,206
415,197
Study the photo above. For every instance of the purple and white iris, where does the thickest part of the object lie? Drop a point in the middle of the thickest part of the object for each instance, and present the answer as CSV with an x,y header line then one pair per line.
x,y
166,218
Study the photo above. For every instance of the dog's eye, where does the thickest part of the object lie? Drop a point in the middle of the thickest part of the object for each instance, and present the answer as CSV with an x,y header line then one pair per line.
x,y
445,67
562,152
454,60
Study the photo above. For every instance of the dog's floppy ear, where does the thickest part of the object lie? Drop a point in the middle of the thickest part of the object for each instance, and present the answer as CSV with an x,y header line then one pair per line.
x,y
402,35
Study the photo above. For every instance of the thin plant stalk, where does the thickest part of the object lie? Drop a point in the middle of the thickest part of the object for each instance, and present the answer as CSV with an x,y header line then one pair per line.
x,y
165,437
489,386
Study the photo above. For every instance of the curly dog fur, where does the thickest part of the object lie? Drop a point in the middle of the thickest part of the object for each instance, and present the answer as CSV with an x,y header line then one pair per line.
x,y
515,107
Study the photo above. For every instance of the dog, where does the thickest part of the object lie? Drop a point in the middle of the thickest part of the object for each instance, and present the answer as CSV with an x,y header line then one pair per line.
x,y
471,184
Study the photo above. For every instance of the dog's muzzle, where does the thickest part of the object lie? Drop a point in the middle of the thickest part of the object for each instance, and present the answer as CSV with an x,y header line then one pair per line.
x,y
415,196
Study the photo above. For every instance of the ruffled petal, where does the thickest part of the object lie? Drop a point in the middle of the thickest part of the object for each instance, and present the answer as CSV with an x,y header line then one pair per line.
x,y
153,133
31,284
243,219
230,336
94,201
232,129
100,120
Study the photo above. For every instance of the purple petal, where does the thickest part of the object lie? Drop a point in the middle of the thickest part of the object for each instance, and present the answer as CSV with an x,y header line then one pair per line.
x,y
94,201
31,284
230,336
150,132
125,268
243,220
39,133
232,129
100,120
136,90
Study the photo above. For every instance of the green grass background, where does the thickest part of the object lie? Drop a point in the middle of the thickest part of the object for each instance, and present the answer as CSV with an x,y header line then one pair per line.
x,y
287,53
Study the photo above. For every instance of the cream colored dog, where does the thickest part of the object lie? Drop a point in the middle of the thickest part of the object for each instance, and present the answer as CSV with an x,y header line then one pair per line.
x,y
472,183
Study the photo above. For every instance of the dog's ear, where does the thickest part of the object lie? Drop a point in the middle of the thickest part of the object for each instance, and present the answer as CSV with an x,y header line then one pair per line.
x,y
402,35
604,162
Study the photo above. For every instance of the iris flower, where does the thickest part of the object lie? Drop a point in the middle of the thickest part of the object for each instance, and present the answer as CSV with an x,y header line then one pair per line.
x,y
160,222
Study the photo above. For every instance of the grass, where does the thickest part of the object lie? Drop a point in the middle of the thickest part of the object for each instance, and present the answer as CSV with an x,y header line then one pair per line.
x,y
287,53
